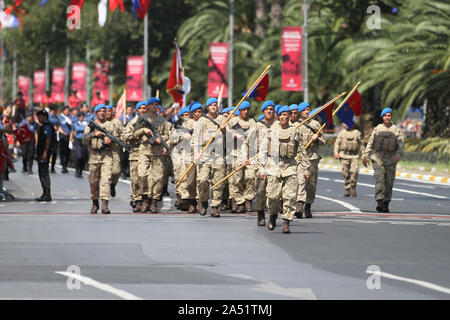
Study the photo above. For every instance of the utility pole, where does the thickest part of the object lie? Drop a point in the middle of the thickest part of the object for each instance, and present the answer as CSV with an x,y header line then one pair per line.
x,y
88,74
47,71
230,56
66,79
305,51
145,56
14,75
110,80
2,67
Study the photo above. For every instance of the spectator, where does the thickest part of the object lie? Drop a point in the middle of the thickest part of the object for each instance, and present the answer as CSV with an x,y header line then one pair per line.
x,y
28,148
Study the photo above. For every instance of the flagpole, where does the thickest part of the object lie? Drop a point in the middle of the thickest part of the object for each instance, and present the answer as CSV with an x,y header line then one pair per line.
x,y
124,106
145,55
14,75
305,51
230,55
111,80
219,100
66,80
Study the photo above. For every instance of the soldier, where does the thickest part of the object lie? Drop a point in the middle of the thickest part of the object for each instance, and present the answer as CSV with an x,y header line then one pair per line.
x,y
151,154
347,149
263,128
307,189
130,137
117,132
385,148
76,140
293,117
210,165
244,181
45,142
283,147
100,160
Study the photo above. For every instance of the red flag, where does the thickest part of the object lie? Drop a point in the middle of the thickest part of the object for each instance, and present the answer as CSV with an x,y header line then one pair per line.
x,y
140,7
355,102
260,92
113,4
175,81
23,134
12,7
121,106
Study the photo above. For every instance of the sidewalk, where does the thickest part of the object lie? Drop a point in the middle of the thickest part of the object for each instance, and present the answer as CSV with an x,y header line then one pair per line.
x,y
420,174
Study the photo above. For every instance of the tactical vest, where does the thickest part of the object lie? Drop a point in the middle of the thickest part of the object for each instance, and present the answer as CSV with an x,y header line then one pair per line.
x,y
287,144
350,144
385,141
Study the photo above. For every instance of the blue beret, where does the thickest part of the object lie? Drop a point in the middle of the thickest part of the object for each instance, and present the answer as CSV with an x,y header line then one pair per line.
x,y
283,109
277,107
154,99
211,101
99,106
293,107
302,106
386,110
108,106
244,105
183,111
236,113
195,106
260,117
226,110
141,103
266,104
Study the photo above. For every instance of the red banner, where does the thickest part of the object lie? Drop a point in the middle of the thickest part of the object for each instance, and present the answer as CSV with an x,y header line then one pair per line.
x,y
23,134
23,83
39,86
79,80
291,53
135,72
101,82
58,77
217,69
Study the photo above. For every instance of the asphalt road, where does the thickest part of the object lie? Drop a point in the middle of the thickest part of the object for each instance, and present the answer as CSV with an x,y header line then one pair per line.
x,y
58,250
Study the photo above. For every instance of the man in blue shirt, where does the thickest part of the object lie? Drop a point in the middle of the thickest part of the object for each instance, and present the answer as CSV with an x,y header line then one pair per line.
x,y
80,149
28,148
65,129
54,121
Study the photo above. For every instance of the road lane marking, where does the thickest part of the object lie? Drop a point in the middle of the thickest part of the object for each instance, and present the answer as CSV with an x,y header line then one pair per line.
x,y
342,203
104,287
421,283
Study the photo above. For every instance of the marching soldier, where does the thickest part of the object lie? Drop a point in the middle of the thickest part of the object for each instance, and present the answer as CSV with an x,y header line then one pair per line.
x,y
283,146
243,182
347,149
293,117
118,131
130,137
100,160
263,128
211,166
307,189
385,148
151,154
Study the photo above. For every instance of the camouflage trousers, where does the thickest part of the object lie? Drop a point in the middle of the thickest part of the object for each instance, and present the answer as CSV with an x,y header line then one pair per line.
x,y
187,189
99,179
115,167
350,169
261,186
282,190
135,188
207,176
307,190
243,184
384,180
151,175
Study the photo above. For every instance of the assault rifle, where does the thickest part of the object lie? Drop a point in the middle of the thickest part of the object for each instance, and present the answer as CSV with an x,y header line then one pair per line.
x,y
95,126
143,120
179,125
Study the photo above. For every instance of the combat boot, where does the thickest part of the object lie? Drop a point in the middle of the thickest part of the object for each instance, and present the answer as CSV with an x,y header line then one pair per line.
x,y
261,218
105,209
248,205
285,228
215,212
233,206
113,189
353,191
184,205
299,209
308,210
178,202
44,197
154,206
386,206
203,208
347,193
192,206
241,208
138,206
272,222
380,205
95,206
145,204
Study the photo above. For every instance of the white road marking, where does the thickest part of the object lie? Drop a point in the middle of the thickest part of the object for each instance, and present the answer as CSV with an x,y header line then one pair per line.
x,y
407,191
105,287
416,185
417,282
342,203
323,178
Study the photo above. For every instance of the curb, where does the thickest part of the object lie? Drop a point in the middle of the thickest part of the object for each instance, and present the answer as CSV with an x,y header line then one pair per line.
x,y
398,174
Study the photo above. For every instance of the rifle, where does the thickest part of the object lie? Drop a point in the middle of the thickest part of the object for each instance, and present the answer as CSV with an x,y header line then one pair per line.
x,y
143,120
95,126
179,125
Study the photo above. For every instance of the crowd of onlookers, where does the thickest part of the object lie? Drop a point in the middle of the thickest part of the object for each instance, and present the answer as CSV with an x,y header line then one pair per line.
x,y
411,128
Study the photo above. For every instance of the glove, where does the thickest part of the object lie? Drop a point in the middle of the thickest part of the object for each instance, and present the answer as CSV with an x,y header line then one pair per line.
x,y
70,145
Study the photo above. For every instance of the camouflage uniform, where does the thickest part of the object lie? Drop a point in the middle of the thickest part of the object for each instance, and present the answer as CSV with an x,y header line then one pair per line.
x,y
349,146
117,132
384,143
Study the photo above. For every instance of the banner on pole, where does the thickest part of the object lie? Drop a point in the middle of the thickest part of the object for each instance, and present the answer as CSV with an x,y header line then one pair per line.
x,y
58,78
101,83
291,54
23,84
217,69
79,80
39,86
135,73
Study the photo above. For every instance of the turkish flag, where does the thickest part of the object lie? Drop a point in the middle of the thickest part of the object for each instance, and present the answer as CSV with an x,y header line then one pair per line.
x,y
23,134
113,4
175,81
355,102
